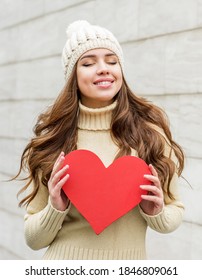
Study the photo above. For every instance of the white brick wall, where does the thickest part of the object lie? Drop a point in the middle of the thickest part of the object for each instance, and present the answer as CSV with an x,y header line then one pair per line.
x,y
162,43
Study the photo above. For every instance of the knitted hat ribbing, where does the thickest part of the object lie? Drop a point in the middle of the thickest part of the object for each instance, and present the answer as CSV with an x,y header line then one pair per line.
x,y
82,37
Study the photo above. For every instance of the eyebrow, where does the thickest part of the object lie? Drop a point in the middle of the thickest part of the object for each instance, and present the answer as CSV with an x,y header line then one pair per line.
x,y
93,55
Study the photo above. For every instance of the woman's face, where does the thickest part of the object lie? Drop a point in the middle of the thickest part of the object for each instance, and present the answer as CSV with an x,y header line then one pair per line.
x,y
99,77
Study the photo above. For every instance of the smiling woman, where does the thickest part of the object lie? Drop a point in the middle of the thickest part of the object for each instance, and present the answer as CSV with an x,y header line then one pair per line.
x,y
99,77
98,112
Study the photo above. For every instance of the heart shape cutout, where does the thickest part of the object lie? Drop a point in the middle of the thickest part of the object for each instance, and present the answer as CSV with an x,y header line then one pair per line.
x,y
103,195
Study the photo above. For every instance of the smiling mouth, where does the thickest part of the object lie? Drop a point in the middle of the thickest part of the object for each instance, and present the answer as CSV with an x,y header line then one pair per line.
x,y
103,83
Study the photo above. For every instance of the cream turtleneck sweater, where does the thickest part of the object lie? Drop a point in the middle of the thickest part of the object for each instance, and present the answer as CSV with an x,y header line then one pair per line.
x,y
68,235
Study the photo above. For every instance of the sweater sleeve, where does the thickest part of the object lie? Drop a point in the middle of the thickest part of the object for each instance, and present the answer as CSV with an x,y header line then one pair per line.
x,y
168,220
42,221
171,215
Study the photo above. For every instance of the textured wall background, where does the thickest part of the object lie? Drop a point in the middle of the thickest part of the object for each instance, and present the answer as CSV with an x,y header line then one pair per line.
x,y
162,42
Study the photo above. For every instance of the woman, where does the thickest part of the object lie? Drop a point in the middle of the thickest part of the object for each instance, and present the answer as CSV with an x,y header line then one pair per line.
x,y
97,111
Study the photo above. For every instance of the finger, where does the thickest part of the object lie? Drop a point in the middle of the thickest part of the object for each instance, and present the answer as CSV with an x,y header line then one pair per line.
x,y
58,164
61,183
59,174
152,189
152,198
153,170
58,158
154,179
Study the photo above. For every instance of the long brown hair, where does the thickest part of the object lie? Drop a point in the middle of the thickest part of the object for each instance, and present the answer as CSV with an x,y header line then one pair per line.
x,y
132,126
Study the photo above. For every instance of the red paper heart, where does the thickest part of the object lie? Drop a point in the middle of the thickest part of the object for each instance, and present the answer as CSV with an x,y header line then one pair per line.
x,y
100,194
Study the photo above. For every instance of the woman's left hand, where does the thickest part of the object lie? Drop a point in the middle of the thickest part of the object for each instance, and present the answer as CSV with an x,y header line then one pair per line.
x,y
153,202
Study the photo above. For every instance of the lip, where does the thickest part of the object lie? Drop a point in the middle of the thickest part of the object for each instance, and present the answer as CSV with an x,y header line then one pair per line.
x,y
103,80
104,83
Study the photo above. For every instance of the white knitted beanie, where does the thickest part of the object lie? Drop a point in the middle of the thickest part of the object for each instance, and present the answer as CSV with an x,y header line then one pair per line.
x,y
82,37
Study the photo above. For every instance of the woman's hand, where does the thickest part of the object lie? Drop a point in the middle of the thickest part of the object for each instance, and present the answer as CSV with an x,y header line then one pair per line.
x,y
57,197
153,202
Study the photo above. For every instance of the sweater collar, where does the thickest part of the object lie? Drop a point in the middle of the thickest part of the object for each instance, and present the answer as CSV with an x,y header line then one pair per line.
x,y
95,119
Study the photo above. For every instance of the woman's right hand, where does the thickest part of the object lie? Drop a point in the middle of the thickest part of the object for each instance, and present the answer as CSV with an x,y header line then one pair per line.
x,y
57,197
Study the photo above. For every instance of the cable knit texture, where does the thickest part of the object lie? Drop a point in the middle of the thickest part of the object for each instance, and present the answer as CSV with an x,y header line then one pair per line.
x,y
82,37
69,236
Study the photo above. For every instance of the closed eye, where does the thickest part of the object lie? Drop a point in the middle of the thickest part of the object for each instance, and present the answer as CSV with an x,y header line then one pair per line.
x,y
112,62
87,64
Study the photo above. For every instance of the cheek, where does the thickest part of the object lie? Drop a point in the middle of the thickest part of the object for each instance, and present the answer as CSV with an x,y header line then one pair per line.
x,y
118,74
80,81
83,85
83,78
120,80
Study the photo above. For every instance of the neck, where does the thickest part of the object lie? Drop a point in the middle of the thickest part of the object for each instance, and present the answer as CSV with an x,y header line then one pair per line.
x,y
95,104
95,118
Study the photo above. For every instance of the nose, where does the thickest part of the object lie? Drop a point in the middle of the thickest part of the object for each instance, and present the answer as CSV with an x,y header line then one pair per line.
x,y
102,68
